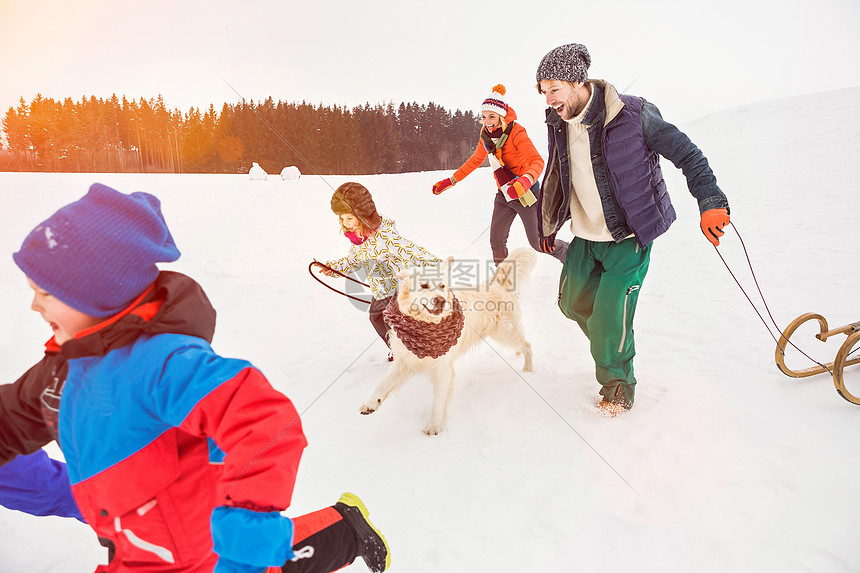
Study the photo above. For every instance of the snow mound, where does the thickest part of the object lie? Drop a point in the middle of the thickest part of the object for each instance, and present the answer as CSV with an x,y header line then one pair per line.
x,y
257,173
290,173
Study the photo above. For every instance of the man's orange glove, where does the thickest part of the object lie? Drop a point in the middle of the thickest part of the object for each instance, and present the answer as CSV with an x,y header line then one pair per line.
x,y
713,221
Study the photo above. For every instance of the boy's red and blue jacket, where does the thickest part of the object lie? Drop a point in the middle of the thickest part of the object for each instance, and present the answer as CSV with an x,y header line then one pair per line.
x,y
168,444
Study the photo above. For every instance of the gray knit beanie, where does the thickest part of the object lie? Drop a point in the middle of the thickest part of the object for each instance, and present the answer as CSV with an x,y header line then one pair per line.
x,y
568,63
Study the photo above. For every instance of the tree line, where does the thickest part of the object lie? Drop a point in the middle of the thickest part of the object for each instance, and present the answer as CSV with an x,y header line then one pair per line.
x,y
122,135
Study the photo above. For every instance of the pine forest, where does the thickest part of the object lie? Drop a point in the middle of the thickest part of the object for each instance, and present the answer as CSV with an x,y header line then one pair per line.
x,y
121,135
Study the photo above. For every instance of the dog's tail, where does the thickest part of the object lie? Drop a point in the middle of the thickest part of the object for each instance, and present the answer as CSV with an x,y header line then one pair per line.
x,y
513,272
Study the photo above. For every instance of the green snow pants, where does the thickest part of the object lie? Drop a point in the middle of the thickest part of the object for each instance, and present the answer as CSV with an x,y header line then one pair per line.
x,y
598,288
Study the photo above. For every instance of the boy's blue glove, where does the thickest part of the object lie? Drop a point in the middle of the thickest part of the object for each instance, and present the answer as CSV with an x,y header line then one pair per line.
x,y
225,565
248,541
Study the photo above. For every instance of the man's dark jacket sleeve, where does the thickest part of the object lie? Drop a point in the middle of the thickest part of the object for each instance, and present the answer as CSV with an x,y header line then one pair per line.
x,y
670,142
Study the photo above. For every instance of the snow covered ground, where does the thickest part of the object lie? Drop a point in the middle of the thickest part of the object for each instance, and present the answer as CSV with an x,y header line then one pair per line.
x,y
724,464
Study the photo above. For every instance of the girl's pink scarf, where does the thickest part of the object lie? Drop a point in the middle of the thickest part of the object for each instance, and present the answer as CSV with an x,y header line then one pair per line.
x,y
355,238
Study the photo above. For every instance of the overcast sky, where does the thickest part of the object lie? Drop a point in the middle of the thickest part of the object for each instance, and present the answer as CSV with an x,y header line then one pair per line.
x,y
690,58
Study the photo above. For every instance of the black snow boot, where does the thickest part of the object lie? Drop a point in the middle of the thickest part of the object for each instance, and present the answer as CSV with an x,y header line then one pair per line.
x,y
372,545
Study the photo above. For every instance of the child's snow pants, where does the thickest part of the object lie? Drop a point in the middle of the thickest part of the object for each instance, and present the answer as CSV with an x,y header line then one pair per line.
x,y
322,542
377,307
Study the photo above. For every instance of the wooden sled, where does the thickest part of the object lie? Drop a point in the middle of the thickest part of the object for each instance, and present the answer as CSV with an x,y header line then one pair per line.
x,y
852,331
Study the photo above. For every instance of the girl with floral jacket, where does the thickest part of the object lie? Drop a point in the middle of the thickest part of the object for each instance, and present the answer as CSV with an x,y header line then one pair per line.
x,y
377,248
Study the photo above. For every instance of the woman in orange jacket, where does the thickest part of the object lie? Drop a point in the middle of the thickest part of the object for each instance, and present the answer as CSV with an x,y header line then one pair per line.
x,y
516,165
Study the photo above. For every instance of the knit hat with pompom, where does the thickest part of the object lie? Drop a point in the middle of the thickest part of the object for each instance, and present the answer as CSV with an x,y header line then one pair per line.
x,y
496,101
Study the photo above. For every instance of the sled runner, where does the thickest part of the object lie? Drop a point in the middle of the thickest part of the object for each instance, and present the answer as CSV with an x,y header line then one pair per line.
x,y
347,277
852,331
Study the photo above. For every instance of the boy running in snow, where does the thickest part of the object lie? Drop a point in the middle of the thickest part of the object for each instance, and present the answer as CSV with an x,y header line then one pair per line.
x,y
169,446
377,247
516,165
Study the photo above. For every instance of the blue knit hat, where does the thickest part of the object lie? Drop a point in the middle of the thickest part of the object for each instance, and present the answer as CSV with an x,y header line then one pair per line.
x,y
98,254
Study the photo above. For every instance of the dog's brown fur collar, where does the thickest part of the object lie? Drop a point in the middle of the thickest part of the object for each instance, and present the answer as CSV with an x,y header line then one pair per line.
x,y
426,338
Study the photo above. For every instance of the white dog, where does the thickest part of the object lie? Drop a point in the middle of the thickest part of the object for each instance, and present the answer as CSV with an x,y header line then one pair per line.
x,y
433,325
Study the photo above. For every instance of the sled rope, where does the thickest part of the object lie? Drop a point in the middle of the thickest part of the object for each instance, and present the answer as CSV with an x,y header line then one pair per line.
x,y
755,280
347,277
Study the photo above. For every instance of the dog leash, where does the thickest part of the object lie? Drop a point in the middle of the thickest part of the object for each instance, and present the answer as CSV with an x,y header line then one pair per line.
x,y
347,277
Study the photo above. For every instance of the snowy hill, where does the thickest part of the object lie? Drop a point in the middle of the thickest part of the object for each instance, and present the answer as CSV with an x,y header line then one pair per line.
x,y
724,464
